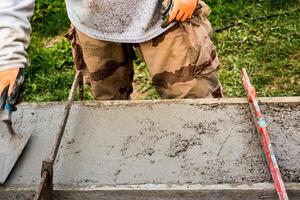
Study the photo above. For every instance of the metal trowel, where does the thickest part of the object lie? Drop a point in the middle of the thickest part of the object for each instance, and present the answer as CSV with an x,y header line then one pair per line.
x,y
11,143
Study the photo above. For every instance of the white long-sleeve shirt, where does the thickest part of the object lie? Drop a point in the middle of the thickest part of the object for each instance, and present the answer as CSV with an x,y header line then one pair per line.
x,y
14,32
124,21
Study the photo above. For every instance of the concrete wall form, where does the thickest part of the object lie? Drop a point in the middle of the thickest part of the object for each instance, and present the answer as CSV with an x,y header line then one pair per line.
x,y
158,148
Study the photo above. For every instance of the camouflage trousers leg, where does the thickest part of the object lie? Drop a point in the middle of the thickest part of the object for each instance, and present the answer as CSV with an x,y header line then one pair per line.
x,y
183,61
110,67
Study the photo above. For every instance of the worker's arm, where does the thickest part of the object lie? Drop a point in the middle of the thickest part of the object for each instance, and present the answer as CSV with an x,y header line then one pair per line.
x,y
14,40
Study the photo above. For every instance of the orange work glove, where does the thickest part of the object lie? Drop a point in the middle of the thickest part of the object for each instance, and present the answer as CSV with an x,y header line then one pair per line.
x,y
178,10
10,82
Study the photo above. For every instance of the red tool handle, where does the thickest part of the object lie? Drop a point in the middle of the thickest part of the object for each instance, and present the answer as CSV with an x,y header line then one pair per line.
x,y
261,126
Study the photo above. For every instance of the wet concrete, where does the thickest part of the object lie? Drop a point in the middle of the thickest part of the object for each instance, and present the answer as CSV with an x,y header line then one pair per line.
x,y
173,143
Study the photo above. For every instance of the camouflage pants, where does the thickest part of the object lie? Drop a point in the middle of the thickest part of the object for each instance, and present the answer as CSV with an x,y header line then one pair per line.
x,y
182,62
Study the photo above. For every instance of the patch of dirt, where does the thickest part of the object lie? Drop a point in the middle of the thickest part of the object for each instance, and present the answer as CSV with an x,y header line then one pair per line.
x,y
50,43
136,95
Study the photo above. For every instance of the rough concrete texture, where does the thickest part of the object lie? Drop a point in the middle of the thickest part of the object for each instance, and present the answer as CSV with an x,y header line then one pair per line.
x,y
185,142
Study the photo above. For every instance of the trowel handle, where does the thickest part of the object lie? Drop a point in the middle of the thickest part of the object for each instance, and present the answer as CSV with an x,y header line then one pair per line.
x,y
7,113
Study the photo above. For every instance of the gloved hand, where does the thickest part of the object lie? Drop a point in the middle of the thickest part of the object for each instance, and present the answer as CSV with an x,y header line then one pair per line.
x,y
178,10
10,82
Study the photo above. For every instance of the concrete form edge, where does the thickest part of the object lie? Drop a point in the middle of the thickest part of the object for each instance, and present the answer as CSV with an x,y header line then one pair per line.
x,y
269,100
163,187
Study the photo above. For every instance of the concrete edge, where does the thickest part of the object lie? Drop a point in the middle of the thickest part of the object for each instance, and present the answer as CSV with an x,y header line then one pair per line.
x,y
163,187
269,100
167,192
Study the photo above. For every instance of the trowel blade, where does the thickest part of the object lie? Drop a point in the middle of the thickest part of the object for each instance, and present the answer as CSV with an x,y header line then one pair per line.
x,y
11,147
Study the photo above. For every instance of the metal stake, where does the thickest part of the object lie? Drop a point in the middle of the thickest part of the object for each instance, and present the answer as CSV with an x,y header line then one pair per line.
x,y
45,188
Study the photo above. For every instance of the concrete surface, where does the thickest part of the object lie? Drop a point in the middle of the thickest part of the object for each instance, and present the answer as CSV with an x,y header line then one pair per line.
x,y
185,142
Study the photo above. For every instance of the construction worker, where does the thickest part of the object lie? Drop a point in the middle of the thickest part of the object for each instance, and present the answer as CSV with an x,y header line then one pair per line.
x,y
173,38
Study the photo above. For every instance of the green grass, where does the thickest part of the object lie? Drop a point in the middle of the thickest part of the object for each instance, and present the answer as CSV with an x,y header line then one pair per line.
x,y
269,47
51,72
50,75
